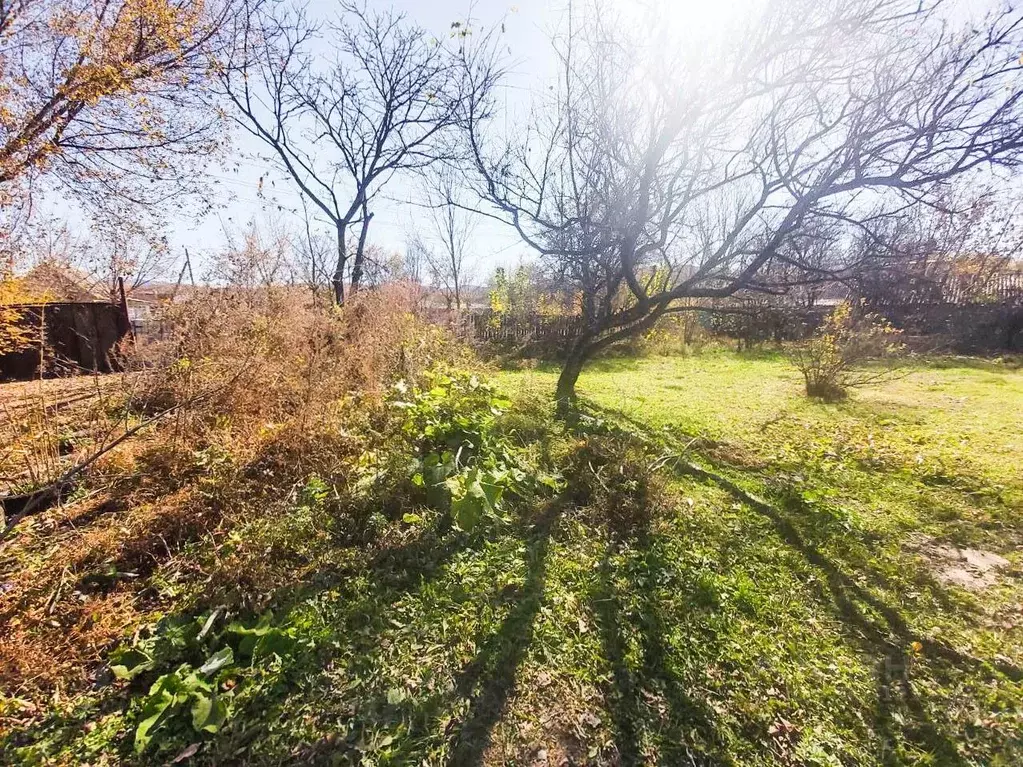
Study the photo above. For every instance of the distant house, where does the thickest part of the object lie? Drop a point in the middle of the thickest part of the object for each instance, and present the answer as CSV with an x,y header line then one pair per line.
x,y
144,302
59,283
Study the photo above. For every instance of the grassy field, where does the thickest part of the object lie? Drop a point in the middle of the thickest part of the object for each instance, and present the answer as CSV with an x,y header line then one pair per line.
x,y
728,574
827,619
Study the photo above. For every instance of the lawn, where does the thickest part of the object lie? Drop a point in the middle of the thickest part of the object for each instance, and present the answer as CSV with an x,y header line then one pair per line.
x,y
727,574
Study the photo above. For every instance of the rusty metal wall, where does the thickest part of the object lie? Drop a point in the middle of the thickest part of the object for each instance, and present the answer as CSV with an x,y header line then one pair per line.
x,y
66,338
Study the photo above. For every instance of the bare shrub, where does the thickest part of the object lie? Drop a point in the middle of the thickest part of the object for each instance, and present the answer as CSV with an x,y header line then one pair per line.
x,y
612,478
246,358
836,358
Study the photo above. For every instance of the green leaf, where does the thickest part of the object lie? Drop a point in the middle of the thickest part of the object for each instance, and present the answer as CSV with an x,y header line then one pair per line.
x,y
162,697
467,511
209,712
130,662
217,661
493,495
273,642
250,636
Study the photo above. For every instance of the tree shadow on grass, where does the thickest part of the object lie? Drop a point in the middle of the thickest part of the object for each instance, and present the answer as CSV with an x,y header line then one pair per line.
x,y
653,684
675,443
391,572
488,681
880,630
624,694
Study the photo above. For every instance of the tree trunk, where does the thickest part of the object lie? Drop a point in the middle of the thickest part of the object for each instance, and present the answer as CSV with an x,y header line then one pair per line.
x,y
360,252
565,393
338,280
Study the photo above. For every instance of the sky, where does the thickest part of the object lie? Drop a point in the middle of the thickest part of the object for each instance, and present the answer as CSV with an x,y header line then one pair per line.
x,y
528,27
530,60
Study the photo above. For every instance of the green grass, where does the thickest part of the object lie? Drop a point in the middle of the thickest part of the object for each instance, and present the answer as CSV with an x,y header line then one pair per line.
x,y
939,449
745,582
856,491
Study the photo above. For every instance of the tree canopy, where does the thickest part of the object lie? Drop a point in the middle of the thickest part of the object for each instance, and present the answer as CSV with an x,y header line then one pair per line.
x,y
657,171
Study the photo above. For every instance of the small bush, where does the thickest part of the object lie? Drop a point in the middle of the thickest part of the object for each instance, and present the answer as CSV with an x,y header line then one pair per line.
x,y
611,477
463,462
673,335
833,360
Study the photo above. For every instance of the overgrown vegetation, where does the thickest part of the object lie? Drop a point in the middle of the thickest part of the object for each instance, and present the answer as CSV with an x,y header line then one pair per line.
x,y
306,525
444,574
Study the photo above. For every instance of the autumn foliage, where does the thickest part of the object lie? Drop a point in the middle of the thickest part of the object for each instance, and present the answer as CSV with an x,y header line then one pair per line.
x,y
92,93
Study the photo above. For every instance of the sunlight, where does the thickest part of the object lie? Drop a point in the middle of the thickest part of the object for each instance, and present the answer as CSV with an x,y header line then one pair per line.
x,y
691,21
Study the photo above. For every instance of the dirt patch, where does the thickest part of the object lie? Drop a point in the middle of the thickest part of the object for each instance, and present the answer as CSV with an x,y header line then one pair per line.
x,y
973,569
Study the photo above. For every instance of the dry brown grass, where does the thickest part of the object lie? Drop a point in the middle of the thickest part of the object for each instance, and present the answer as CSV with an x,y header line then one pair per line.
x,y
46,425
253,390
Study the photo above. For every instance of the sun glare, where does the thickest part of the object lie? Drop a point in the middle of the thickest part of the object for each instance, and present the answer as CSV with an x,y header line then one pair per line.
x,y
691,20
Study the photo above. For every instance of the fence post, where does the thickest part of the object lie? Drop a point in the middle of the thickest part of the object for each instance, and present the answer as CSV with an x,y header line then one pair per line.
x,y
123,319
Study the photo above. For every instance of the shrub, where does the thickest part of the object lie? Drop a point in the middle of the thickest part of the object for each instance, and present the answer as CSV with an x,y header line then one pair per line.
x,y
246,358
258,389
674,334
465,463
833,360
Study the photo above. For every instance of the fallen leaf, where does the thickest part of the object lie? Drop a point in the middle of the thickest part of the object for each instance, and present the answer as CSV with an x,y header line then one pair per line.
x,y
187,753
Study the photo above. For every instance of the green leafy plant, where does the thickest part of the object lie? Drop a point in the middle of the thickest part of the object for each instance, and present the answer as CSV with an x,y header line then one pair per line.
x,y
464,462
200,689
181,690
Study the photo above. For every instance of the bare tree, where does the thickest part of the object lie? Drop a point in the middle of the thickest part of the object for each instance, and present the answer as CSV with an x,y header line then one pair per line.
x,y
657,172
316,254
413,262
951,248
384,105
138,255
445,249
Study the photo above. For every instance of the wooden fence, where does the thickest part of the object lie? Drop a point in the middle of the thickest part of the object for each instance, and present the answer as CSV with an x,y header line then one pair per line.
x,y
1003,288
965,314
490,327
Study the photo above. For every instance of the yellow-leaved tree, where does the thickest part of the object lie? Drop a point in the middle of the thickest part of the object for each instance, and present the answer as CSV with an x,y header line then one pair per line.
x,y
105,98
14,335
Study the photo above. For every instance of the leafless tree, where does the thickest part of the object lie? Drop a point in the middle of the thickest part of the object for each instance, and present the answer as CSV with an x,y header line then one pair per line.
x,y
139,255
316,257
385,105
656,172
413,262
445,249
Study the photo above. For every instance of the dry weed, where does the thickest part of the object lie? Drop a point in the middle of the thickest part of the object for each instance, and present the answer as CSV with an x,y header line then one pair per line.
x,y
250,391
